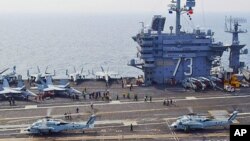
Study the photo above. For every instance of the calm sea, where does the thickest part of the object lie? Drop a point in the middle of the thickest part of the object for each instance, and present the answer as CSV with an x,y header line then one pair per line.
x,y
62,41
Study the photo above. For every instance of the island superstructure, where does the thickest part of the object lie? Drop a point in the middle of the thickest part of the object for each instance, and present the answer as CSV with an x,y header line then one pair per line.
x,y
175,55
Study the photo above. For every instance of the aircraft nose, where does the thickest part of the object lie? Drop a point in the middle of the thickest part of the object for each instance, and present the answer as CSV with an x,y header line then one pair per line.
x,y
173,125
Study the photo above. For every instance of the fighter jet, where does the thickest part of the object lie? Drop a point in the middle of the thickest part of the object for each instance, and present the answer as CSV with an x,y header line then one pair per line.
x,y
77,75
6,90
207,82
215,79
11,76
193,121
193,83
188,83
106,75
39,75
49,125
48,86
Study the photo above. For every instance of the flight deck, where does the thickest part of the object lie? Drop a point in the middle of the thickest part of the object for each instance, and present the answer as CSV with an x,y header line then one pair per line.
x,y
150,120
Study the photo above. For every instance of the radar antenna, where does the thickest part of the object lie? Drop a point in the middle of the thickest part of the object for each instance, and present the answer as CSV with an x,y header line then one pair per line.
x,y
232,26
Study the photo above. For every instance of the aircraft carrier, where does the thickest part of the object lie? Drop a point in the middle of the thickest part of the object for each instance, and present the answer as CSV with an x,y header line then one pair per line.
x,y
162,57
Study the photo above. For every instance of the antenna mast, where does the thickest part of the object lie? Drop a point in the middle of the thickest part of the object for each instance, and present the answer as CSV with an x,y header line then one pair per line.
x,y
176,7
235,48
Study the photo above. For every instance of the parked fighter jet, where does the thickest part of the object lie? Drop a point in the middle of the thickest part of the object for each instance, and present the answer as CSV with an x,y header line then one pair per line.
x,y
207,82
11,76
215,79
39,75
77,75
193,83
48,86
188,83
49,125
199,83
6,90
106,75
192,122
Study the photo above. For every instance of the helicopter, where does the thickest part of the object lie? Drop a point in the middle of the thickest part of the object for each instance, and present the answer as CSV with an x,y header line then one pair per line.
x,y
194,121
50,125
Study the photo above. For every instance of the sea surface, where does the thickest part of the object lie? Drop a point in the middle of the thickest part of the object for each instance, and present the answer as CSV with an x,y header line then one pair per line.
x,y
64,41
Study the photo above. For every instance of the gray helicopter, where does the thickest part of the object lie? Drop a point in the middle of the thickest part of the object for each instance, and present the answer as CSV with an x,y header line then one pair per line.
x,y
49,125
193,121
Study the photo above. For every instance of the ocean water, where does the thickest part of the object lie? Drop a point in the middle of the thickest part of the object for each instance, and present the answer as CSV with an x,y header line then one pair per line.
x,y
62,41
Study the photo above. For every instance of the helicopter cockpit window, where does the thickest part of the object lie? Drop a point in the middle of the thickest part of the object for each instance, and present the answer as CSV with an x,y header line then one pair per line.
x,y
206,120
62,123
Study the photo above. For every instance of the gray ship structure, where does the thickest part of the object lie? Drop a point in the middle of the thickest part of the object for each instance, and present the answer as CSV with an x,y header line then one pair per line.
x,y
174,56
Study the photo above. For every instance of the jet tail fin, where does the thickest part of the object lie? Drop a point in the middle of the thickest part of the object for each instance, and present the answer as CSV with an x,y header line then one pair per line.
x,y
38,69
81,70
89,73
233,116
67,72
28,73
20,84
46,70
43,83
14,69
102,69
4,71
90,123
6,83
75,69
49,81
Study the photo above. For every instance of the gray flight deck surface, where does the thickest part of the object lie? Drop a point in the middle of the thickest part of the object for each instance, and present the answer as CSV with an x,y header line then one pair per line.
x,y
150,121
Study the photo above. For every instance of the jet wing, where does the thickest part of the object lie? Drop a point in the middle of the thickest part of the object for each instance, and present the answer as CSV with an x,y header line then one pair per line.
x,y
30,93
38,87
63,85
53,89
33,88
101,74
113,73
19,88
72,90
4,71
9,91
84,74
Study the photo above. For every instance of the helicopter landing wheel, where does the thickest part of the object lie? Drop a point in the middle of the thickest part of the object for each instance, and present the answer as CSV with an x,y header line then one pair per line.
x,y
50,132
187,128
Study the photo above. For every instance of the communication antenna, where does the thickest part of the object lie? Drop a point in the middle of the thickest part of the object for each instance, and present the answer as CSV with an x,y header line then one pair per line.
x,y
232,26
176,7
142,27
